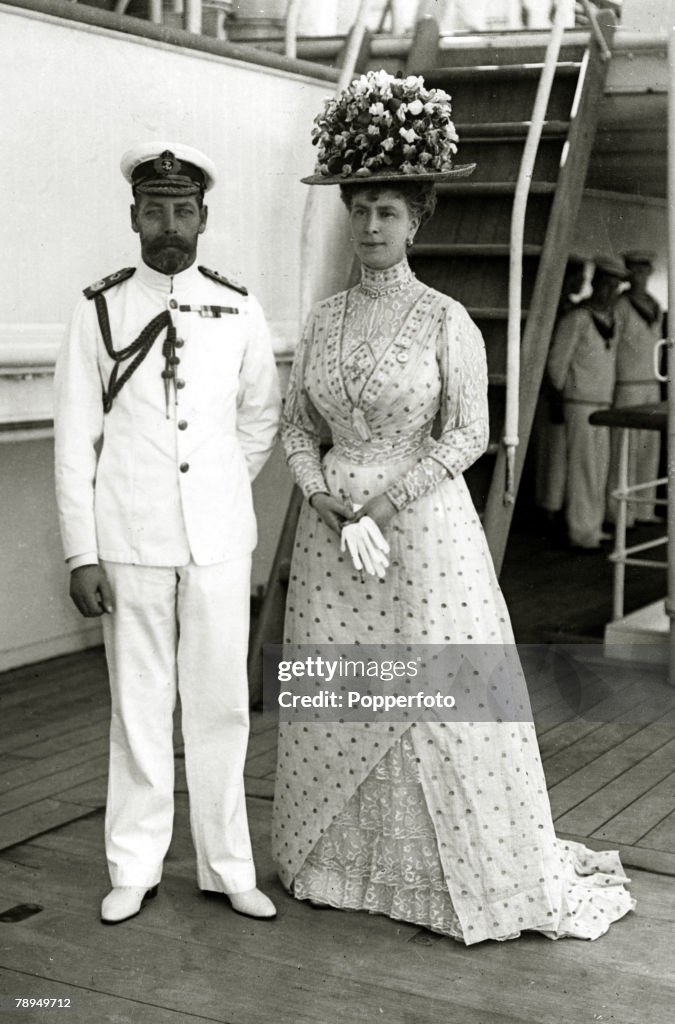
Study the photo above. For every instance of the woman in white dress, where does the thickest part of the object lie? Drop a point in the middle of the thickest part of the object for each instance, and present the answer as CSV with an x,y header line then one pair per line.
x,y
444,825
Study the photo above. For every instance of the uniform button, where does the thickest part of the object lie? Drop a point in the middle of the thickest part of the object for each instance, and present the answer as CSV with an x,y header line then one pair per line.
x,y
180,383
173,304
184,466
182,424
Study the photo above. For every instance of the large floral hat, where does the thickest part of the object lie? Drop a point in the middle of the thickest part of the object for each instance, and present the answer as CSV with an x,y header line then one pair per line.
x,y
383,128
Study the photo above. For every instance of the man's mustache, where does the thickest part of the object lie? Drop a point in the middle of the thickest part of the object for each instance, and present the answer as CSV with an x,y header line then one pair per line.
x,y
167,241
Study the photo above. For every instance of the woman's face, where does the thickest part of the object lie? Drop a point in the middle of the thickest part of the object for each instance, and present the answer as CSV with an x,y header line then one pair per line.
x,y
381,227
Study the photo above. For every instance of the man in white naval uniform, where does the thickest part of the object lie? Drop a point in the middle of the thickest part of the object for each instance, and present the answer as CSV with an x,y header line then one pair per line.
x,y
639,325
167,406
582,365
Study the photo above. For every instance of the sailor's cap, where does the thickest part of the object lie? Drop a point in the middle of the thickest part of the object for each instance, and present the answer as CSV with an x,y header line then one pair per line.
x,y
639,256
611,266
168,169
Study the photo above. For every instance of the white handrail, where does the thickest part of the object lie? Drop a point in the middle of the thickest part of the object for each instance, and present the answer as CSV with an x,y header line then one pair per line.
x,y
293,10
193,16
511,439
592,15
670,601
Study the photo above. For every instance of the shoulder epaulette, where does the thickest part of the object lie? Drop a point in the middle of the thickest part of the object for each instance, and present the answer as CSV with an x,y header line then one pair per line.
x,y
215,276
98,287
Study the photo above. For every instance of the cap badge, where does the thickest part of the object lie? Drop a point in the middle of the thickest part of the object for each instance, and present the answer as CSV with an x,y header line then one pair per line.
x,y
166,163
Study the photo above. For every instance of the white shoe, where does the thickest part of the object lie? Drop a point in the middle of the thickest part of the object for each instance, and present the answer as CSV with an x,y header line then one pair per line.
x,y
253,903
125,901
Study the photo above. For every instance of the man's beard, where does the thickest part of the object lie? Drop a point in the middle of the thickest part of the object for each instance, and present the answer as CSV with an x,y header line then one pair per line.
x,y
169,257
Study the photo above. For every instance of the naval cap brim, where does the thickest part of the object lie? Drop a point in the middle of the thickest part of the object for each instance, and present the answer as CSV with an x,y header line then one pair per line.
x,y
147,153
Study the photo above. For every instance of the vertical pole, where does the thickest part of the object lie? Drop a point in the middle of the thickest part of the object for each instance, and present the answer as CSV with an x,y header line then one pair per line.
x,y
293,11
621,520
193,16
670,600
156,12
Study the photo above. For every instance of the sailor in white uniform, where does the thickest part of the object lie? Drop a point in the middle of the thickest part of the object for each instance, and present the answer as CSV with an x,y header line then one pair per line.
x,y
167,405
639,325
582,366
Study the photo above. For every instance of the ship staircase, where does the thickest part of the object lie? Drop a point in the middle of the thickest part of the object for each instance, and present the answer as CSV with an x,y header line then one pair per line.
x,y
465,250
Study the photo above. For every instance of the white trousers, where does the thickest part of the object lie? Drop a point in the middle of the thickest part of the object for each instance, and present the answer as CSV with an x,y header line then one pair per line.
x,y
182,629
587,472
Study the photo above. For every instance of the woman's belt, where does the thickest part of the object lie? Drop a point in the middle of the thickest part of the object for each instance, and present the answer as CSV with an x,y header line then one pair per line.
x,y
379,449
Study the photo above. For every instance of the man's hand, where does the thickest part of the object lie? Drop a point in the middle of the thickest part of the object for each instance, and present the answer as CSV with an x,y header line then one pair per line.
x,y
90,590
334,512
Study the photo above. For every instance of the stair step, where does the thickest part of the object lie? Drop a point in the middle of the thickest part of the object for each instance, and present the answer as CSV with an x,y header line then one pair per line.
x,y
493,188
445,249
505,48
509,130
439,77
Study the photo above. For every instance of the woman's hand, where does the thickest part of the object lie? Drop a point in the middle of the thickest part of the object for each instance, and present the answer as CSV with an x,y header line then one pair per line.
x,y
334,512
381,509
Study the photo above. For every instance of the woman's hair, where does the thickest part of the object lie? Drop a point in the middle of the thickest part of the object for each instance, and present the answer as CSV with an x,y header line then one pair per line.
x,y
419,196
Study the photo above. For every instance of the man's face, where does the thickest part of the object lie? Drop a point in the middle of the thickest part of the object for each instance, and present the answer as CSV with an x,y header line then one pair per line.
x,y
169,227
606,289
639,275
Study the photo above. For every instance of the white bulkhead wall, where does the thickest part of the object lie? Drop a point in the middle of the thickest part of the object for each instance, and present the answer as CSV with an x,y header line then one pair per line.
x,y
74,99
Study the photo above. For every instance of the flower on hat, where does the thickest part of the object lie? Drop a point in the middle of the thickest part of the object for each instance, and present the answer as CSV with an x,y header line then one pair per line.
x,y
384,123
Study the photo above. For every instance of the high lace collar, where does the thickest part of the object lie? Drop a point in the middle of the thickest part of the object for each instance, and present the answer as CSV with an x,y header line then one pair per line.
x,y
384,282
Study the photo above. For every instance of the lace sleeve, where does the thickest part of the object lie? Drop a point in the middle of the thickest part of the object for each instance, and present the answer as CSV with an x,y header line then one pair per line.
x,y
464,411
300,423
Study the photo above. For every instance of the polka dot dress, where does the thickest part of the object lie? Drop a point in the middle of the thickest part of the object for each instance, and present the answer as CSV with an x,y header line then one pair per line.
x,y
446,825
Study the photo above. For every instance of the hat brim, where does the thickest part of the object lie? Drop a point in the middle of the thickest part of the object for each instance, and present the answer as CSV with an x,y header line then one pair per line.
x,y
460,171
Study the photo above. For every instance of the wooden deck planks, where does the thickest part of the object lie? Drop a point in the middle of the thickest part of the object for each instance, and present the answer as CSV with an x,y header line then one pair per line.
x,y
92,793
192,959
262,764
86,1005
662,836
59,761
47,728
629,781
589,748
88,732
30,772
636,820
591,778
82,764
36,818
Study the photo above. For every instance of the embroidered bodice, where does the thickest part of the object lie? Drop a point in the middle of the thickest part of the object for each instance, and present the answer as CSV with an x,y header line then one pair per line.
x,y
377,363
374,316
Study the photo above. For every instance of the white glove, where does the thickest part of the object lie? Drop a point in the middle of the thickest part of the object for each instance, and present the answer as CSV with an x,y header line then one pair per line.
x,y
366,545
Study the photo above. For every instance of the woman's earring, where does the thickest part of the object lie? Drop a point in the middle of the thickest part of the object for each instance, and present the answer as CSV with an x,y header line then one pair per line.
x,y
410,241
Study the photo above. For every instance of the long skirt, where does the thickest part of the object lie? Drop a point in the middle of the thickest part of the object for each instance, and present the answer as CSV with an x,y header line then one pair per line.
x,y
443,824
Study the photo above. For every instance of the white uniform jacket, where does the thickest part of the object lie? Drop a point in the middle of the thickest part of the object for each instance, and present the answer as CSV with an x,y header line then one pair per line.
x,y
145,486
581,363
